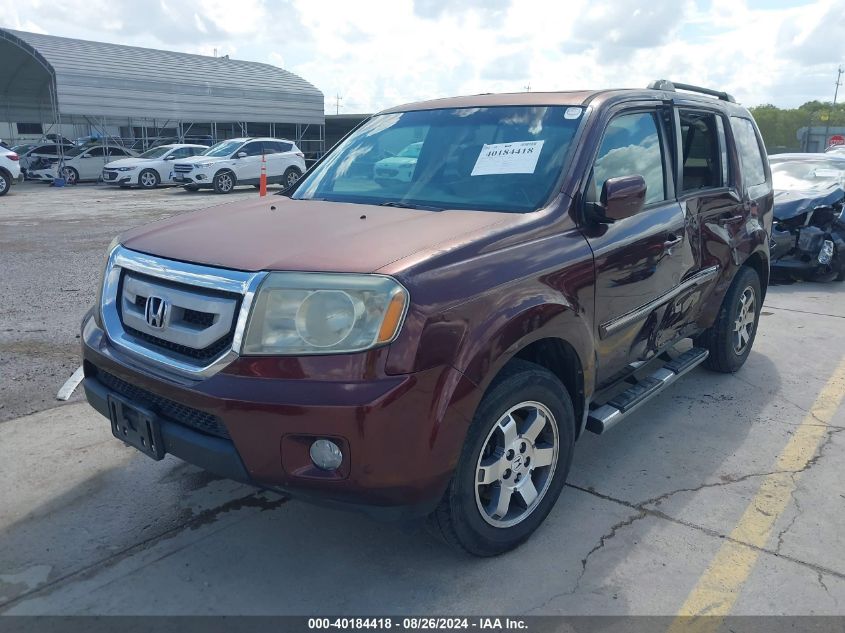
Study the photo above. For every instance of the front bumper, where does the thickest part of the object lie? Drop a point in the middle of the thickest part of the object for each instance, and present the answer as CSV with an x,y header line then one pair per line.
x,y
196,177
114,177
400,442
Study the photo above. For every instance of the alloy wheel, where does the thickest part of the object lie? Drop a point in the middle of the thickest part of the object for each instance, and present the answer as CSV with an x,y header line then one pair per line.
x,y
292,178
744,321
148,179
225,181
2,183
517,464
69,175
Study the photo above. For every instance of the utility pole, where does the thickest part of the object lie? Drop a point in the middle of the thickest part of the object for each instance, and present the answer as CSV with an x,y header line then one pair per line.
x,y
337,100
527,87
839,72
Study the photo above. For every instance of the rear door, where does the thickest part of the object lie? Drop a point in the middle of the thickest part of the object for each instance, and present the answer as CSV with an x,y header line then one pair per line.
x,y
90,164
275,160
641,262
708,192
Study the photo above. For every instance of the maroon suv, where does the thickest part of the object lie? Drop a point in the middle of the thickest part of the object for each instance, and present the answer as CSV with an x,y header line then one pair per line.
x,y
426,322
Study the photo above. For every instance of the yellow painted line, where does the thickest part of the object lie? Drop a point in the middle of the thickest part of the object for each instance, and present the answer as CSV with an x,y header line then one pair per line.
x,y
718,589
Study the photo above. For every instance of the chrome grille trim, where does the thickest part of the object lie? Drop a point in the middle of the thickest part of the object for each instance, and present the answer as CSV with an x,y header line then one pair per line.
x,y
122,259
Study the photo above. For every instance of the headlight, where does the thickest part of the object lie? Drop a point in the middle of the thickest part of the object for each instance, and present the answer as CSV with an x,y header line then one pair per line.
x,y
125,168
98,307
201,165
323,313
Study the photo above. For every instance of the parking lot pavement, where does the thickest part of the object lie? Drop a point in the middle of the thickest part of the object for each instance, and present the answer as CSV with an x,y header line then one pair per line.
x,y
52,242
93,527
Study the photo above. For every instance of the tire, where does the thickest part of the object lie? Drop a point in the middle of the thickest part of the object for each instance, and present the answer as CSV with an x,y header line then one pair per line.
x,y
291,175
190,188
465,517
149,179
71,176
224,182
5,183
728,348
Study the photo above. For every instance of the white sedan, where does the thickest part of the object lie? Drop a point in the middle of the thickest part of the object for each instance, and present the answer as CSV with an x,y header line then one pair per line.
x,y
152,168
86,163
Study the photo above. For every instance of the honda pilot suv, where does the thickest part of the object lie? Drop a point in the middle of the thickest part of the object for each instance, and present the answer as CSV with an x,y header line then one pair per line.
x,y
436,346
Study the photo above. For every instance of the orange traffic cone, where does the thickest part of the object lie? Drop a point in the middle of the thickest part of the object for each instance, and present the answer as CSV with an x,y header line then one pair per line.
x,y
262,182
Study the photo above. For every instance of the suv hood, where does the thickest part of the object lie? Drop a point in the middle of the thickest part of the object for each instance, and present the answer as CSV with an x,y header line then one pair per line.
x,y
308,235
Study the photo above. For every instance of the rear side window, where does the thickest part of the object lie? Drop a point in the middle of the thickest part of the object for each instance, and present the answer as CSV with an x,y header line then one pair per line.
x,y
46,150
631,146
701,151
750,157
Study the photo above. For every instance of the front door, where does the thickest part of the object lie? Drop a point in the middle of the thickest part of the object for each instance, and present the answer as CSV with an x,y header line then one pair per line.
x,y
643,262
248,168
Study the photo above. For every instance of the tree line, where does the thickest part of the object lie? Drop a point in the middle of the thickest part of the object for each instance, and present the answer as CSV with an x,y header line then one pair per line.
x,y
780,127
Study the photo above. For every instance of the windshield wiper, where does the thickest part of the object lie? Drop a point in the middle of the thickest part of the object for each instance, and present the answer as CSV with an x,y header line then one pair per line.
x,y
408,205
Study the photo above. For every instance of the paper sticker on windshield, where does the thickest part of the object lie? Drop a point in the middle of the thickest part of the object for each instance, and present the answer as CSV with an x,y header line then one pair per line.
x,y
572,113
508,158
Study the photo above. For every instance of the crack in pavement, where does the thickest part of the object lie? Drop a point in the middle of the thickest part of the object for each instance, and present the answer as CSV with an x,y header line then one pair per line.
x,y
790,525
205,517
835,316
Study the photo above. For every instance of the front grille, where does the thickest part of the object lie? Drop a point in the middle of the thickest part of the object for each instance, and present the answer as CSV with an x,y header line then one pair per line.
x,y
166,408
217,328
206,353
182,169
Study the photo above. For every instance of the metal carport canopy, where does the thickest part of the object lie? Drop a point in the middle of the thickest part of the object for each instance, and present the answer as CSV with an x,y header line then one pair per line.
x,y
115,82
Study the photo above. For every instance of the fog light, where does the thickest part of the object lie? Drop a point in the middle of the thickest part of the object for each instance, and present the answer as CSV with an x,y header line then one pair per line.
x,y
826,254
326,455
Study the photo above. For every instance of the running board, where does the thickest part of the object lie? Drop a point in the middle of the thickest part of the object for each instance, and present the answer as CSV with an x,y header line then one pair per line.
x,y
622,405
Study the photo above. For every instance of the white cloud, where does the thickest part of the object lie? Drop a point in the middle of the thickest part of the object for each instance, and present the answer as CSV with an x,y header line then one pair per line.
x,y
384,52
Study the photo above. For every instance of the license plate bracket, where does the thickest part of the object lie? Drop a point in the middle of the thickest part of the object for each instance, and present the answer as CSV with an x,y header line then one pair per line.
x,y
136,427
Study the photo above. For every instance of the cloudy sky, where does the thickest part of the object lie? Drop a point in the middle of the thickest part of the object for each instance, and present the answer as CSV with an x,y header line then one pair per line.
x,y
376,54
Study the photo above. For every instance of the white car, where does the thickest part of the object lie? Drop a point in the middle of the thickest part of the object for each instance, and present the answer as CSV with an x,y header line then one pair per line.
x,y
399,168
86,163
32,153
10,170
152,168
238,162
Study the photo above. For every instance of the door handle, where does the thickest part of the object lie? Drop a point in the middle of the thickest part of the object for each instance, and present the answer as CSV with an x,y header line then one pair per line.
x,y
731,220
672,241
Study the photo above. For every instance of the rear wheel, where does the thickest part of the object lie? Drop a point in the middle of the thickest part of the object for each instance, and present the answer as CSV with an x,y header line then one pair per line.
x,y
5,183
149,179
730,338
291,175
513,464
70,175
224,182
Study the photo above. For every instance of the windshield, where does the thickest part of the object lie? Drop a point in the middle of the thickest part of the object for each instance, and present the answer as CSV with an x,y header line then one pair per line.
x,y
156,152
806,174
223,148
499,159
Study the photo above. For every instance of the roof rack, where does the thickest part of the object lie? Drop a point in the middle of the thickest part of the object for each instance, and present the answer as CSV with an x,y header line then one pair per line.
x,y
665,84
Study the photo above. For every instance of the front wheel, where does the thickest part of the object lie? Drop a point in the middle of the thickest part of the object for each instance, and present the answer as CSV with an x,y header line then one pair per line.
x,y
224,182
730,338
513,465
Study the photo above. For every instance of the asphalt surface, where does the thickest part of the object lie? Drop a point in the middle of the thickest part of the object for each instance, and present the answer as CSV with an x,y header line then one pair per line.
x,y
52,243
751,461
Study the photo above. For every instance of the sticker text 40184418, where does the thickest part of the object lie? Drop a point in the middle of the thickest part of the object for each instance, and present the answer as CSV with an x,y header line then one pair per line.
x,y
508,158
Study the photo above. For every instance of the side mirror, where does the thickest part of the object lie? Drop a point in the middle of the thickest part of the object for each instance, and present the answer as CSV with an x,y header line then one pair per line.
x,y
241,155
169,158
621,198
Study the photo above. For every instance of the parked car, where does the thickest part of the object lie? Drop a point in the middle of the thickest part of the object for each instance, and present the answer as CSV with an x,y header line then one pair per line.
x,y
398,168
150,169
237,161
30,153
436,349
10,170
87,162
808,236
